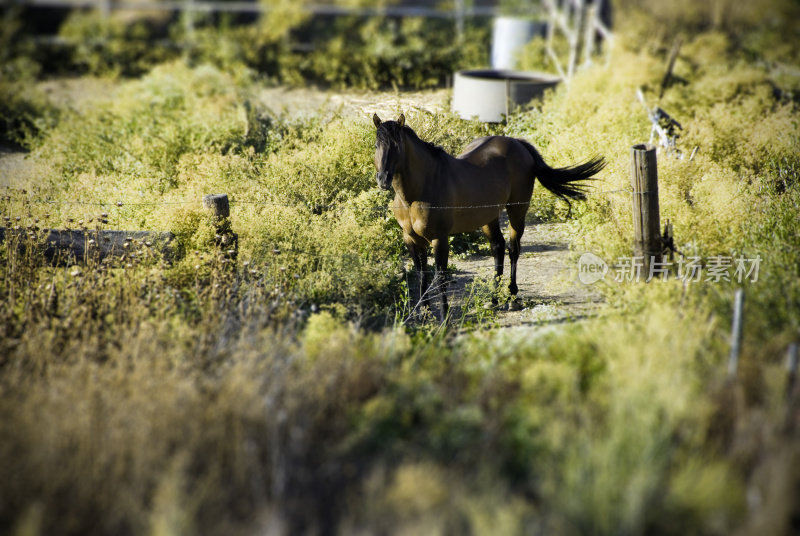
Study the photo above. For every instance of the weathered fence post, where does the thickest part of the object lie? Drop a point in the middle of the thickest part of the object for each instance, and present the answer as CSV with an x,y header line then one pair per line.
x,y
676,47
105,8
218,204
458,15
188,17
588,36
226,240
791,369
736,333
646,217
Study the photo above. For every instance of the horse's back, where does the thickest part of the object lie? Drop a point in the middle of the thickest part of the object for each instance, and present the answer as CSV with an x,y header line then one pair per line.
x,y
506,159
499,165
482,151
480,172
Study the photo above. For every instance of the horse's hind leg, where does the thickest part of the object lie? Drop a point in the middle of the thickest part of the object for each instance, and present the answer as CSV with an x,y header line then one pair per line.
x,y
441,252
516,224
498,245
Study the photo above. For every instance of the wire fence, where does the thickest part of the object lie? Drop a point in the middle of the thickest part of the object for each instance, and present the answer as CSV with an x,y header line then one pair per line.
x,y
271,203
286,263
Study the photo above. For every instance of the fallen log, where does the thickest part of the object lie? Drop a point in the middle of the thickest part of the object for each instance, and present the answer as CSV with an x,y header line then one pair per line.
x,y
69,246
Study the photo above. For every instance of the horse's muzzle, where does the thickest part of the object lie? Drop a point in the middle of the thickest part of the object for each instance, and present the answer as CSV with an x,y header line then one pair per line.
x,y
384,179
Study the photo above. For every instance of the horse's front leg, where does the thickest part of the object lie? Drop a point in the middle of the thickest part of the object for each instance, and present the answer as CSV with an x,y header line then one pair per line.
x,y
441,252
421,265
419,256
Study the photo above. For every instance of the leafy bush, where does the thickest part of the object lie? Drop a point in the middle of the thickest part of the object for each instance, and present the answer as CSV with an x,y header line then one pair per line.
x,y
381,53
143,133
178,133
111,45
208,390
24,114
287,45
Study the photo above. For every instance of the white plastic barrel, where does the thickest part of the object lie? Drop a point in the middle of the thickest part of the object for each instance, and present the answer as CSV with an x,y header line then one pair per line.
x,y
487,95
509,35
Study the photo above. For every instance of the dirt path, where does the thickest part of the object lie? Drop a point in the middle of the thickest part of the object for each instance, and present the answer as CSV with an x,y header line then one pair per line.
x,y
14,168
546,275
307,101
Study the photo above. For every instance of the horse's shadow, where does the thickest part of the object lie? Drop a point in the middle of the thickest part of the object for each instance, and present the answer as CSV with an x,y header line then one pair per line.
x,y
542,248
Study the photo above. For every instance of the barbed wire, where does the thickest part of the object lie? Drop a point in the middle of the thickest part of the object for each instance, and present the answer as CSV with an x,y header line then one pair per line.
x,y
307,204
102,203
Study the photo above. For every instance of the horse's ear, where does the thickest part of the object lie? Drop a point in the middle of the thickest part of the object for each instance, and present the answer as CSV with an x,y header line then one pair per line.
x,y
376,120
401,120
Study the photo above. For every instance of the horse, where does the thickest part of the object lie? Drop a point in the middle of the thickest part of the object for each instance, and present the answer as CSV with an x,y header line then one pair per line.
x,y
437,195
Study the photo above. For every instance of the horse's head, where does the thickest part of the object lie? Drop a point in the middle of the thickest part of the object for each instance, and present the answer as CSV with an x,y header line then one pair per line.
x,y
389,149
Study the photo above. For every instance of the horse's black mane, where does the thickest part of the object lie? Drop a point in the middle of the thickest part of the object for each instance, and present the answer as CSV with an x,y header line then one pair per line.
x,y
389,131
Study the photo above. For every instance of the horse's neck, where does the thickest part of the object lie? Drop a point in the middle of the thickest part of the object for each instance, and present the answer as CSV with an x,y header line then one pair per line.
x,y
419,170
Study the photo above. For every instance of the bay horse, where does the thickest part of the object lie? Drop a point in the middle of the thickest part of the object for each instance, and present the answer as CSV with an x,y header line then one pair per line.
x,y
437,195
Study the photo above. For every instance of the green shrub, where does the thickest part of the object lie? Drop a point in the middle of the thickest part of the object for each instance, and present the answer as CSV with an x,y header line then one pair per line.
x,y
382,53
111,45
305,188
372,52
143,133
25,114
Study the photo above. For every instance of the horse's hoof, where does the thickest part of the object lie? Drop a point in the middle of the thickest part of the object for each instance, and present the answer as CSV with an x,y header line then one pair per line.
x,y
515,305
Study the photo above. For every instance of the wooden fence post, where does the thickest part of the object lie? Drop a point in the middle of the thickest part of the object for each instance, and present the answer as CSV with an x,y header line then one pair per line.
x,y
646,217
736,333
226,240
105,8
791,369
218,204
188,17
458,15
676,47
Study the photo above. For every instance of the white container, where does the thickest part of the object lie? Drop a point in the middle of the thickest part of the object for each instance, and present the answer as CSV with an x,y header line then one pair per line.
x,y
488,95
509,35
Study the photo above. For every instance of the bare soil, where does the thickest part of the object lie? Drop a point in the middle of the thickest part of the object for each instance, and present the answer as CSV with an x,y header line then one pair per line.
x,y
14,168
547,277
300,102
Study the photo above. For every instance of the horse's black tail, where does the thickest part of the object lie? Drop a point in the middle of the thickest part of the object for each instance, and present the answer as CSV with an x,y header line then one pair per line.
x,y
561,181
